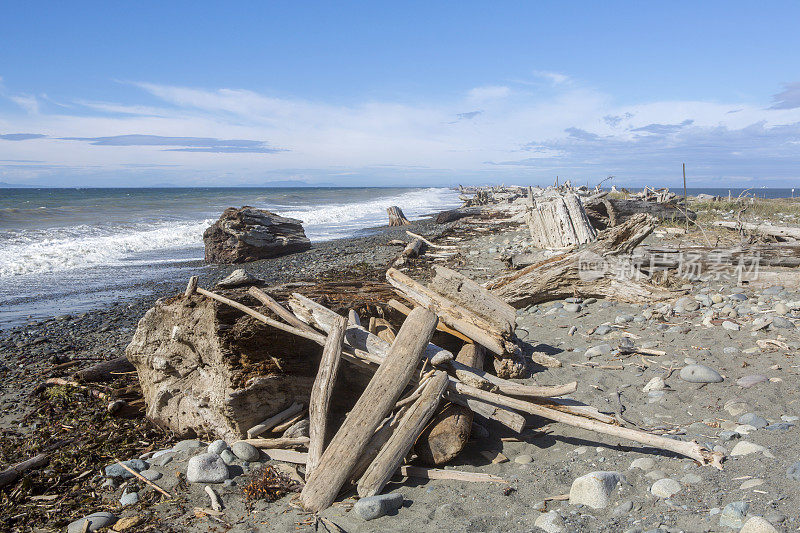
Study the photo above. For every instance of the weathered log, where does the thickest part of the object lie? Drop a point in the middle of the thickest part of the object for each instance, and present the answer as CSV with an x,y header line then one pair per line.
x,y
10,474
689,449
278,443
105,370
376,401
396,216
249,234
321,393
559,222
449,431
462,290
606,212
397,306
597,270
456,214
278,309
383,329
489,334
409,252
783,232
403,438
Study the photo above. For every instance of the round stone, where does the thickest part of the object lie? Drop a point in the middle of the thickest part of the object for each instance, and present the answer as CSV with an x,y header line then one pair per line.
x,y
206,468
217,447
523,459
245,451
700,374
96,521
665,488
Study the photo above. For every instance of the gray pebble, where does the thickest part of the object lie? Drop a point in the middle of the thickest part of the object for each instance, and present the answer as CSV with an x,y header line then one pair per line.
x,y
754,420
374,507
151,475
206,468
700,374
129,498
96,521
115,470
217,447
245,451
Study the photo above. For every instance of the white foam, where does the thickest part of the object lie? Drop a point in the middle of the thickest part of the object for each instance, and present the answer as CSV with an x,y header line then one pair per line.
x,y
79,247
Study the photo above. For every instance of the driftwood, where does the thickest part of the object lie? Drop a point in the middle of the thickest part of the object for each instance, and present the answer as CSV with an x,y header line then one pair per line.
x,y
688,449
449,431
456,214
409,252
322,391
282,442
274,420
383,329
559,222
278,309
783,232
105,370
606,212
600,269
396,216
397,306
374,404
492,334
10,474
403,438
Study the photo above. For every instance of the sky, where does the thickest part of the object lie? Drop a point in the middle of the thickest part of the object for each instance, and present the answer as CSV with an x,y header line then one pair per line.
x,y
399,93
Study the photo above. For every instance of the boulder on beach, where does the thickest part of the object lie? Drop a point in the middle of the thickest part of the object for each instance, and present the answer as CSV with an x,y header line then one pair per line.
x,y
250,234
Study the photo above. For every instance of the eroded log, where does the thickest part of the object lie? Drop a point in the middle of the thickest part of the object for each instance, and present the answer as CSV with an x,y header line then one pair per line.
x,y
600,270
396,216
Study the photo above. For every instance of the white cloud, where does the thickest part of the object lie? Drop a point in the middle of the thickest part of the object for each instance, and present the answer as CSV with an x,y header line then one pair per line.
x,y
489,92
27,102
555,78
571,130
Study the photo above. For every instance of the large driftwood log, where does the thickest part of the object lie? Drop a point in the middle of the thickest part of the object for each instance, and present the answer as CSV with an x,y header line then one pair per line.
x,y
456,214
449,431
321,393
396,216
559,222
783,232
403,438
597,270
375,403
105,370
606,212
410,251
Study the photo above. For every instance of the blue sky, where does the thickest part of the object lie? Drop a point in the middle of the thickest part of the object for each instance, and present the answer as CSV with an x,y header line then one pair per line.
x,y
399,93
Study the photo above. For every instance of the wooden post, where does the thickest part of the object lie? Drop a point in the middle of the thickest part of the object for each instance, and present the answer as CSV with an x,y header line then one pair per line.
x,y
685,199
401,441
321,393
396,216
375,403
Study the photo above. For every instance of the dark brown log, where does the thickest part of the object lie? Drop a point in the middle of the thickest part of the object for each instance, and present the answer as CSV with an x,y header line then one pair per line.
x,y
105,370
10,474
449,431
396,216
456,214
375,403
607,212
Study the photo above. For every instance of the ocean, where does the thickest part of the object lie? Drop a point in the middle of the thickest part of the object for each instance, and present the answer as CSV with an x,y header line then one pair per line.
x,y
65,251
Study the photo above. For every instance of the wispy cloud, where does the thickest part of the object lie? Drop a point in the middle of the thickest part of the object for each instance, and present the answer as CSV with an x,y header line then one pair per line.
x,y
489,92
28,102
788,98
183,144
555,78
21,136
490,132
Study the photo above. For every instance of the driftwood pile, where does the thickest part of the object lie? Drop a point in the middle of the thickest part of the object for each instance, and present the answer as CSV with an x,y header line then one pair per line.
x,y
419,396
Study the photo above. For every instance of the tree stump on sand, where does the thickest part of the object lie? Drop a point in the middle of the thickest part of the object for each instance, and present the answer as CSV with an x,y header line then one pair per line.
x,y
396,216
559,222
